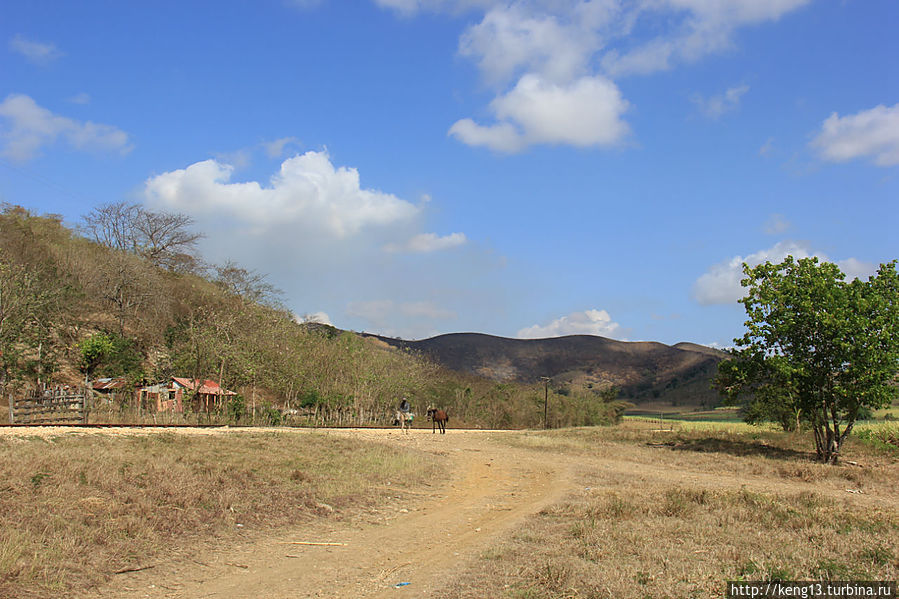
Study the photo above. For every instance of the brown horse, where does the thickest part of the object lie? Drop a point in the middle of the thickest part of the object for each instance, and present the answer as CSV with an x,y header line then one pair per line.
x,y
438,419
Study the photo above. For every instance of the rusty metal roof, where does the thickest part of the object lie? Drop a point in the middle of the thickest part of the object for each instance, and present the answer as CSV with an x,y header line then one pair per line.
x,y
208,386
109,384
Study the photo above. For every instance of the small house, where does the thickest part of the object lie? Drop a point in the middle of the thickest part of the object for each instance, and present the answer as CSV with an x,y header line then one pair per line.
x,y
109,389
170,396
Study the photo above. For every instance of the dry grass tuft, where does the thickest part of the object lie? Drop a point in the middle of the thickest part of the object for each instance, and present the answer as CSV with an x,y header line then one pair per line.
x,y
74,509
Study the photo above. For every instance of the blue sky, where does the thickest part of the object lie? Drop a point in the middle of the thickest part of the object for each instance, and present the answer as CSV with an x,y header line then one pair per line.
x,y
530,168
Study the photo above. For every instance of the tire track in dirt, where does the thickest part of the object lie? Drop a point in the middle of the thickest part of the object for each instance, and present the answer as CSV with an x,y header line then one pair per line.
x,y
489,492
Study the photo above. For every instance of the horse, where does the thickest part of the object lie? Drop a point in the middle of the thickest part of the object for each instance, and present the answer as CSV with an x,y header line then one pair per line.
x,y
438,419
403,419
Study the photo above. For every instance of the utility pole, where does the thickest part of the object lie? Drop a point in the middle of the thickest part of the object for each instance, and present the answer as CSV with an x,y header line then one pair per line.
x,y
545,380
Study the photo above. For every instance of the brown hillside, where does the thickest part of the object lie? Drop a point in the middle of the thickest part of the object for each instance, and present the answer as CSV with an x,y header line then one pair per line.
x,y
709,351
645,371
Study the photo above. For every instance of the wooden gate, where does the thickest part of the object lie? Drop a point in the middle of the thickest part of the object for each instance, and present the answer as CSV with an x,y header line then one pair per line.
x,y
50,406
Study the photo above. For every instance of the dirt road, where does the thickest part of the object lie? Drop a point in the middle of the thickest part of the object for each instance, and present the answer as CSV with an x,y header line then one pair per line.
x,y
492,485
423,542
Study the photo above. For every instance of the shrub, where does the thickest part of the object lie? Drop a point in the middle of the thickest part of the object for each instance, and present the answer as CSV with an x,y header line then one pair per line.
x,y
237,408
94,350
270,415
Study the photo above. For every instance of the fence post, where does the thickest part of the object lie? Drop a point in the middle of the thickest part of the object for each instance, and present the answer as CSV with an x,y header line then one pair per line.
x,y
84,406
12,418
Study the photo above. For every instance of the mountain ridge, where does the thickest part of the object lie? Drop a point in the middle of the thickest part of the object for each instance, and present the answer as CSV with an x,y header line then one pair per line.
x,y
644,371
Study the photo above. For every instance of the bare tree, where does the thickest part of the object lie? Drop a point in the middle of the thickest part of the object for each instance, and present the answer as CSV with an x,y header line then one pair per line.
x,y
112,225
126,284
163,238
248,284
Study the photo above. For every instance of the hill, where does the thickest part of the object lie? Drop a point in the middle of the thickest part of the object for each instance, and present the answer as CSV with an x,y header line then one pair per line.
x,y
114,305
645,372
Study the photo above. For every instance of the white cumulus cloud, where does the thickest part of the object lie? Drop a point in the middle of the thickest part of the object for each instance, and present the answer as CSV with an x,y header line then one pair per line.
x,y
427,242
721,283
588,322
856,269
25,128
314,317
586,112
321,235
872,133
308,190
513,38
554,62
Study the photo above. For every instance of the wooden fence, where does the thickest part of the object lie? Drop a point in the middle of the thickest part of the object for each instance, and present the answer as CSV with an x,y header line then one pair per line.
x,y
48,407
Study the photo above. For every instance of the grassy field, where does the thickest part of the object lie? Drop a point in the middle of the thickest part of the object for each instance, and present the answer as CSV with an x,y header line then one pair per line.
x,y
727,414
652,513
891,413
877,432
673,413
75,509
698,423
693,508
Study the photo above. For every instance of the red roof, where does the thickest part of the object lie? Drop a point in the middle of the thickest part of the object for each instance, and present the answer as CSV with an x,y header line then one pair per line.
x,y
207,387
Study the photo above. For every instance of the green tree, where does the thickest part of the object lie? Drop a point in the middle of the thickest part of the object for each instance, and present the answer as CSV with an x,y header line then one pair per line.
x,y
753,380
124,359
817,348
237,408
94,350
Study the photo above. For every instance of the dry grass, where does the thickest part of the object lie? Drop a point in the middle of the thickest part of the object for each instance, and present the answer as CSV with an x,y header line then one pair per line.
x,y
677,514
647,422
732,448
677,542
74,509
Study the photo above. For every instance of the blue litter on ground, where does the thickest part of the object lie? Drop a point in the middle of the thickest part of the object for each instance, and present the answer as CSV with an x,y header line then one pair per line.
x,y
402,584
